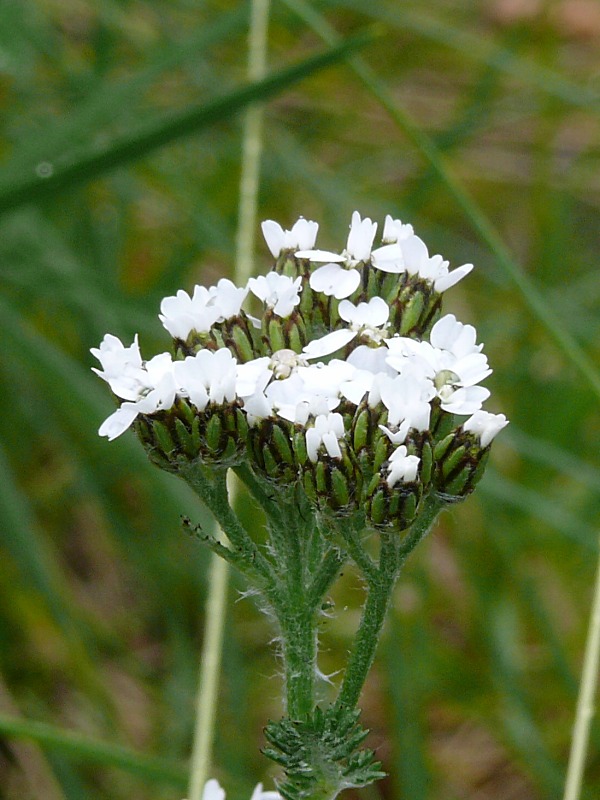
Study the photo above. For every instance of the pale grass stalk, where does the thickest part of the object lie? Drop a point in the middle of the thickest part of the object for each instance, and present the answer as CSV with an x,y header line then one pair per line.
x,y
585,701
206,702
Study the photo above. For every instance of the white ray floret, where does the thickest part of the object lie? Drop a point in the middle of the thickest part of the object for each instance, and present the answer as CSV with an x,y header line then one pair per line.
x,y
302,236
327,430
402,467
338,276
279,292
156,393
484,425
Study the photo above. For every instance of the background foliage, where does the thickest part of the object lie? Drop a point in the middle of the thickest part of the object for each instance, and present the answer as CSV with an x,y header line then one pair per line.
x,y
106,206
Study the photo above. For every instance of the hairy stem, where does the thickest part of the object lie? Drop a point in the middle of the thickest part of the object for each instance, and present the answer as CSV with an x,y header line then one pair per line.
x,y
381,582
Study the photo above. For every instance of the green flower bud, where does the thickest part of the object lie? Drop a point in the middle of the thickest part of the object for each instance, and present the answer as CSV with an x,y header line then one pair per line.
x,y
183,434
272,452
460,462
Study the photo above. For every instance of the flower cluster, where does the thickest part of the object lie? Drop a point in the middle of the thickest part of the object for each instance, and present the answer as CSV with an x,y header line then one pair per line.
x,y
335,371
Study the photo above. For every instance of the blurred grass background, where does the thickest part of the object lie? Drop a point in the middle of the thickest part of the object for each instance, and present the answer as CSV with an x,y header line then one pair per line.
x,y
101,594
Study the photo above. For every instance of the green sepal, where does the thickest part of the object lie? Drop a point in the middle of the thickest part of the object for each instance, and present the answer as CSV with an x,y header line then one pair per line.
x,y
184,408
339,488
362,427
320,471
271,466
163,437
477,473
196,437
453,461
441,448
378,508
275,335
381,451
214,430
408,510
241,425
309,486
299,441
243,346
295,339
426,464
185,439
412,313
281,443
459,483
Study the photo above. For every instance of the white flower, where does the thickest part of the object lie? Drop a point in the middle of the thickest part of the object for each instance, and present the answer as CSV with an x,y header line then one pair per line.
x,y
329,343
452,360
395,231
338,277
302,236
181,314
213,791
123,366
228,298
207,377
402,467
279,292
366,319
369,319
327,430
434,269
407,398
485,425
156,393
334,280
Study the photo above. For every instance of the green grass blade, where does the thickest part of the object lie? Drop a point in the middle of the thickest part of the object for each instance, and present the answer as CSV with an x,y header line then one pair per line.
x,y
81,748
97,161
110,101
539,506
477,218
482,49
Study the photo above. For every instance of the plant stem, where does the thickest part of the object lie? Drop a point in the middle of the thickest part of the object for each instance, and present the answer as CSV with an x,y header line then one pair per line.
x,y
585,701
381,583
299,643
210,663
369,629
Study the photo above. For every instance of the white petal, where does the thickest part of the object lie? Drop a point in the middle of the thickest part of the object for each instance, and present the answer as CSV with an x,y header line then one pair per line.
x,y
118,422
447,281
415,254
361,236
394,230
213,791
388,258
303,234
466,400
320,255
329,343
333,280
485,425
274,236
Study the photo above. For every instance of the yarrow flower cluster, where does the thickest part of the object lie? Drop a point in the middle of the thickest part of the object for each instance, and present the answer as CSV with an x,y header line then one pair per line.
x,y
334,372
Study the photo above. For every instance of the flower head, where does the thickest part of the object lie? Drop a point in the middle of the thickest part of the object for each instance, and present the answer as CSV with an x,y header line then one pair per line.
x,y
351,395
